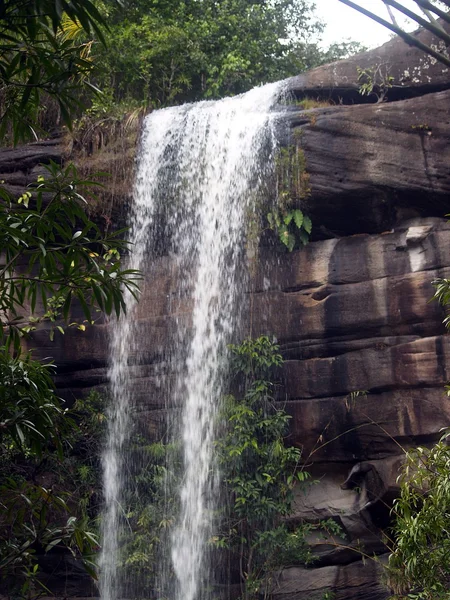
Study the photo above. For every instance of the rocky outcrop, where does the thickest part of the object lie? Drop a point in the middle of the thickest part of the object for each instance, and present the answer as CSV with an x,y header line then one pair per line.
x,y
356,581
379,163
413,72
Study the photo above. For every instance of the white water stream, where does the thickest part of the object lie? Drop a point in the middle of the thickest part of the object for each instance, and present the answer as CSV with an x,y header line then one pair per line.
x,y
199,168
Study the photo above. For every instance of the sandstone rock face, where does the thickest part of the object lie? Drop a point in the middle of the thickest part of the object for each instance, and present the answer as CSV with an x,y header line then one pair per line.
x,y
366,352
379,163
412,71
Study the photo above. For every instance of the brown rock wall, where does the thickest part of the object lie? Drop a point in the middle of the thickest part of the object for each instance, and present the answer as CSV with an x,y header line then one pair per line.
x,y
379,163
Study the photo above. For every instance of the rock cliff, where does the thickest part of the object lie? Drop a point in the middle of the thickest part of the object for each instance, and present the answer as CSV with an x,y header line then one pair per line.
x,y
366,352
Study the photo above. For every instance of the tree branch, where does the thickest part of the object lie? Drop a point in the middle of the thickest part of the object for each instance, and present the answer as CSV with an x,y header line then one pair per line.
x,y
408,38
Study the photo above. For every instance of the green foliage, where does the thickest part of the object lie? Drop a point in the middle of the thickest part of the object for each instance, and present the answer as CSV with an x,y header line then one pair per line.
x,y
442,294
37,518
311,103
149,505
286,219
259,471
419,566
29,408
255,358
42,59
375,81
168,52
52,253
291,226
341,50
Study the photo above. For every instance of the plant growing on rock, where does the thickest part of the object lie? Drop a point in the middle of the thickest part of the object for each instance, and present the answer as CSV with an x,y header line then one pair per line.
x,y
150,504
259,471
286,219
290,226
375,81
419,565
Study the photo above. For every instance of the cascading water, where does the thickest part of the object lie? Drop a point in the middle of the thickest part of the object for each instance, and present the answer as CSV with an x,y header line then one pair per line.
x,y
199,168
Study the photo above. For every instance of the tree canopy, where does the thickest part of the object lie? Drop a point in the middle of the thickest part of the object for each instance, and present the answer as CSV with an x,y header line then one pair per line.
x,y
163,52
44,54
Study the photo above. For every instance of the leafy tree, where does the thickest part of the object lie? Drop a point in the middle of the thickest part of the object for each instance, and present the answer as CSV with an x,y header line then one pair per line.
x,y
43,59
50,254
53,252
341,50
48,495
169,52
419,566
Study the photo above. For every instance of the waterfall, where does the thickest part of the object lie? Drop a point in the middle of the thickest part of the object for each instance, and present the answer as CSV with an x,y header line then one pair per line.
x,y
199,170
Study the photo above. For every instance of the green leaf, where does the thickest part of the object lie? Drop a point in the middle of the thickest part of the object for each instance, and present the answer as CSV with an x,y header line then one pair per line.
x,y
307,224
299,219
288,218
304,237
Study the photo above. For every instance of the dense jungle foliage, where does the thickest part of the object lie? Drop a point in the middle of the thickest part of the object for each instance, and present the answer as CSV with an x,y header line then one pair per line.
x,y
170,51
146,53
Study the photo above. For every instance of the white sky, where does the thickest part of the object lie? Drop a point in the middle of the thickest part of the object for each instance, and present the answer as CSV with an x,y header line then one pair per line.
x,y
343,22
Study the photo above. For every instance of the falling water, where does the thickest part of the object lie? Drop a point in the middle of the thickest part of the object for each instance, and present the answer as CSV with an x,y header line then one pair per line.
x,y
200,166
